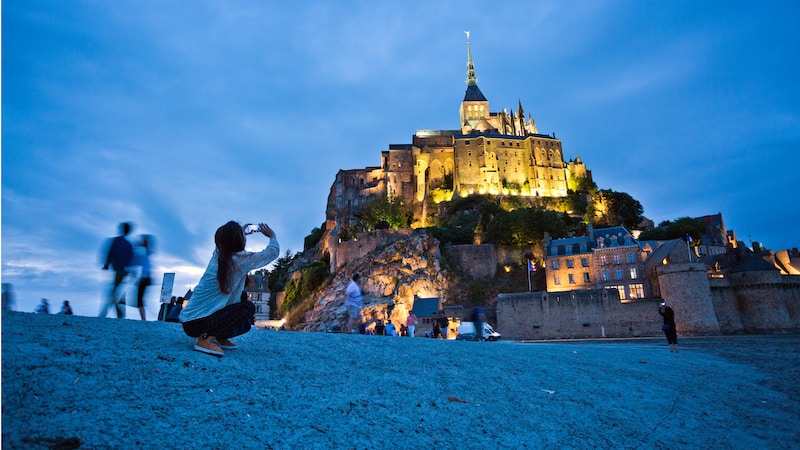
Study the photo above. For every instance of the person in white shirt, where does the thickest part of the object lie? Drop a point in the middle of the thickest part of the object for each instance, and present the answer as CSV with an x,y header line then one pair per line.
x,y
215,312
352,302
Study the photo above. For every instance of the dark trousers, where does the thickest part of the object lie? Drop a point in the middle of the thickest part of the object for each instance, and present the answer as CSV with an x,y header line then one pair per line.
x,y
672,336
232,320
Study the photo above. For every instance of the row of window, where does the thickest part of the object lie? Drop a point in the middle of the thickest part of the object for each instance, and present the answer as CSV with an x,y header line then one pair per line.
x,y
616,258
570,278
605,275
630,291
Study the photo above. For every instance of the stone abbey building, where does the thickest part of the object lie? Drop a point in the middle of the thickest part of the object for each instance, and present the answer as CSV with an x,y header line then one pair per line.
x,y
498,153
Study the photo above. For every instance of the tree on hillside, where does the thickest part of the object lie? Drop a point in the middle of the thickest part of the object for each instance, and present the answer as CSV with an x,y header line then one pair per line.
x,y
279,275
524,226
379,212
616,208
675,229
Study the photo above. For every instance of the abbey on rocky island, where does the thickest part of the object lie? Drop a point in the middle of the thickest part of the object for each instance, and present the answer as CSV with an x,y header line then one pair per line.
x,y
497,153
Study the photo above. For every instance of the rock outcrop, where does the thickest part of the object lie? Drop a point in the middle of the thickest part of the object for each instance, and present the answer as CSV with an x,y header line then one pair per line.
x,y
392,276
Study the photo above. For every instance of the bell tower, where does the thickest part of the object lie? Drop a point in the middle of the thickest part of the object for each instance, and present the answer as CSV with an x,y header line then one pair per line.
x,y
475,107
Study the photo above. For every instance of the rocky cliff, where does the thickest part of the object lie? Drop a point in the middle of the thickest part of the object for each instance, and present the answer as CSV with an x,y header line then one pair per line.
x,y
392,275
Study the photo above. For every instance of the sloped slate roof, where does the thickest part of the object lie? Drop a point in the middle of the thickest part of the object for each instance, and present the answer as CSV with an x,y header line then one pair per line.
x,y
474,94
425,307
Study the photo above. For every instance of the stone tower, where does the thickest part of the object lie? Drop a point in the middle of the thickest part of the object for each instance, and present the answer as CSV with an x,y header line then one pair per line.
x,y
685,287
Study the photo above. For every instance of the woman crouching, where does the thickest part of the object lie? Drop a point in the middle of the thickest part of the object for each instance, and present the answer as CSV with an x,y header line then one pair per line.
x,y
215,313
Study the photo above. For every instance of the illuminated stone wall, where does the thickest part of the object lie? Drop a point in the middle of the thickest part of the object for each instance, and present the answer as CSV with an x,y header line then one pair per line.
x,y
579,314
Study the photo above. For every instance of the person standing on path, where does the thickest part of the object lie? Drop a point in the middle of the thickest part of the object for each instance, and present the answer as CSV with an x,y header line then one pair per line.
x,y
670,331
215,312
119,257
353,301
444,324
411,323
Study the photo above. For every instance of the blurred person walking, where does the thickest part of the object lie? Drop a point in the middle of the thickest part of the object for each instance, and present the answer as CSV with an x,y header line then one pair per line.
x,y
8,297
119,257
353,301
411,323
43,307
215,312
141,258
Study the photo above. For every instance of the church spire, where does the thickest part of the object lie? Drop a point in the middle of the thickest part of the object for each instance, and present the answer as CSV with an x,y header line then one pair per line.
x,y
473,94
471,79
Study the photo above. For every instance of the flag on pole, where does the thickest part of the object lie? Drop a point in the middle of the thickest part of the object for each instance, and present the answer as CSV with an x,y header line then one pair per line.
x,y
531,266
688,238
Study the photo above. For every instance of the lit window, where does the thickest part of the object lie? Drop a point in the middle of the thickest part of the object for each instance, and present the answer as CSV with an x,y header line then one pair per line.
x,y
633,273
603,260
556,279
637,291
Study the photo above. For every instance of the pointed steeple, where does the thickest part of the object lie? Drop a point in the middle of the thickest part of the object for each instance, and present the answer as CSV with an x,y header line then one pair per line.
x,y
473,94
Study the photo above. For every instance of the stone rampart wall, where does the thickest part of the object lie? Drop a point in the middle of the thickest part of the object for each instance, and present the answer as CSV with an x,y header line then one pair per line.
x,y
757,302
592,313
479,261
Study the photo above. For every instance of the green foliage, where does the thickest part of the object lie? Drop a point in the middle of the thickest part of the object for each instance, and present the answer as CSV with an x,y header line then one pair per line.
x,y
524,226
573,203
447,183
617,208
379,212
276,278
476,291
467,203
312,239
510,203
675,229
312,278
581,185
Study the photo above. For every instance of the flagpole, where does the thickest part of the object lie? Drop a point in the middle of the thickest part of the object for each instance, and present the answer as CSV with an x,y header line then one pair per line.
x,y
529,275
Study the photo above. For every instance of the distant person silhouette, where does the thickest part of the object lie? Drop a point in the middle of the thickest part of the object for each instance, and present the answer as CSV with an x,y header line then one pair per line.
x,y
215,311
43,307
66,308
119,257
670,331
444,323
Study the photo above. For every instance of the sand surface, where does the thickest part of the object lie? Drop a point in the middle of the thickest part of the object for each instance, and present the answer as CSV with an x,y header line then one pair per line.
x,y
109,383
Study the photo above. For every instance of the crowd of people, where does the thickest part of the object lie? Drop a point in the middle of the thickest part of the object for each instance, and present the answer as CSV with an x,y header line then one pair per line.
x,y
217,310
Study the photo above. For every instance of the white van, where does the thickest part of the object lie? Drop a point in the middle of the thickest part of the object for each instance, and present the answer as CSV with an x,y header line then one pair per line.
x,y
466,332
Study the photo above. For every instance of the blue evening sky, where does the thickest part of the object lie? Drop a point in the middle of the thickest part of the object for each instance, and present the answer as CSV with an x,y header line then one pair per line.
x,y
179,116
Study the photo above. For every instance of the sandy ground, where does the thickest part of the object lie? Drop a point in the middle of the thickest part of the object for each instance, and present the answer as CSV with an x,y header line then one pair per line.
x,y
108,383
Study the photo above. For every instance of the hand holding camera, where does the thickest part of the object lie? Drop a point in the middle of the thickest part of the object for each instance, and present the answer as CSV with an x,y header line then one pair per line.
x,y
260,228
